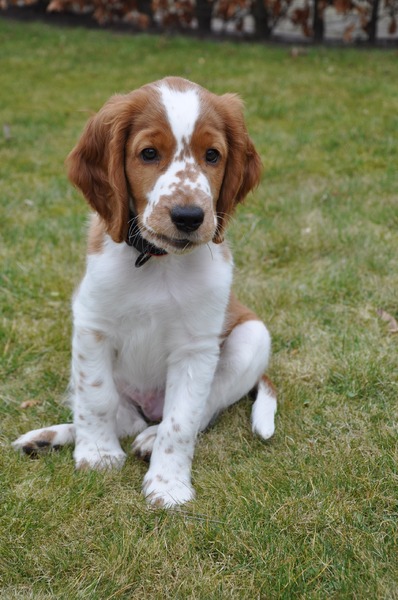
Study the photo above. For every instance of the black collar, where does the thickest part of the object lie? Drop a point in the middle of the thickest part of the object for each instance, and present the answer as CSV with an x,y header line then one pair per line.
x,y
134,238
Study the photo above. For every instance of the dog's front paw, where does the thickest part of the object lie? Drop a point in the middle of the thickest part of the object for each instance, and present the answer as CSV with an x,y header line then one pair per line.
x,y
88,456
143,443
166,491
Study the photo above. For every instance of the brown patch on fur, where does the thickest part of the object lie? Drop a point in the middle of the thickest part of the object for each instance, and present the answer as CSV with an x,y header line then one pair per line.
x,y
169,450
243,168
96,236
42,443
189,172
46,436
97,383
178,83
236,314
159,502
184,153
269,385
99,337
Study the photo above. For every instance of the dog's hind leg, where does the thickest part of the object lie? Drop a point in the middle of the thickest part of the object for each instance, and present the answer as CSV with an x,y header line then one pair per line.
x,y
129,421
47,438
243,359
35,442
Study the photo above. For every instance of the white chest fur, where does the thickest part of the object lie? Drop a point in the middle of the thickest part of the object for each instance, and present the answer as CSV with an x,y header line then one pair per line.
x,y
172,305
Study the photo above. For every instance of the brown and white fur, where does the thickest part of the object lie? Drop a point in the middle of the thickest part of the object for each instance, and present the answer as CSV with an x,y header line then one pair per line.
x,y
166,342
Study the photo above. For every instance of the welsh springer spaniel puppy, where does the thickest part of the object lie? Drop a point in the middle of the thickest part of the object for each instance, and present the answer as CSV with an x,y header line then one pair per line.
x,y
157,334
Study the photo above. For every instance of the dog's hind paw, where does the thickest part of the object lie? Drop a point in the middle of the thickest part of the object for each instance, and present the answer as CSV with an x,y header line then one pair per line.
x,y
37,441
143,443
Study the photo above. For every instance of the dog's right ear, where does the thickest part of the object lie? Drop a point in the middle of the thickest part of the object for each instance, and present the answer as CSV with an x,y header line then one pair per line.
x,y
96,164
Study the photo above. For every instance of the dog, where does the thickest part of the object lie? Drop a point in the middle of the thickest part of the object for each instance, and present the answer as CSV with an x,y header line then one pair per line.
x,y
160,344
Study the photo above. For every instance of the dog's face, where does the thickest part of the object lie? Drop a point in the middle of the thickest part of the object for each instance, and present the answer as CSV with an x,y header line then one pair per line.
x,y
177,155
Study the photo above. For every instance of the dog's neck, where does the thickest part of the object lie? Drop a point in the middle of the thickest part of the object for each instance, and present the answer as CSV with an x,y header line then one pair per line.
x,y
134,238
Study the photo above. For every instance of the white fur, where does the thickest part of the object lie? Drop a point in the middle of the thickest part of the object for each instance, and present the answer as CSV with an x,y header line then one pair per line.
x,y
182,110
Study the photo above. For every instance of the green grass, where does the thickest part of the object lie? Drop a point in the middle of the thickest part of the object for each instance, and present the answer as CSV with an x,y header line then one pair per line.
x,y
311,514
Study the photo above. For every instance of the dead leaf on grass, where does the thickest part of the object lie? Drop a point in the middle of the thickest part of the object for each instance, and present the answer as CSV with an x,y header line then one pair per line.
x,y
29,403
392,323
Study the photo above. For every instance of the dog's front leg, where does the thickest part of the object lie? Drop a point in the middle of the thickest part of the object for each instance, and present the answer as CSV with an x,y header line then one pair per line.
x,y
95,401
190,375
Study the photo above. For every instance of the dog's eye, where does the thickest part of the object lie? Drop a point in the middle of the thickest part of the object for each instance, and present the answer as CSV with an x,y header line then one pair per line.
x,y
149,155
212,156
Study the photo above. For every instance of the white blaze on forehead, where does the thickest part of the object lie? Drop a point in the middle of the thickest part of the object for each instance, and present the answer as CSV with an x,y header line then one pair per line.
x,y
182,110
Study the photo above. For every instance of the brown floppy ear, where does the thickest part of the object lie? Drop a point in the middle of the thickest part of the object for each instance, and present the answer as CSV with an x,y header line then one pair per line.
x,y
96,164
243,169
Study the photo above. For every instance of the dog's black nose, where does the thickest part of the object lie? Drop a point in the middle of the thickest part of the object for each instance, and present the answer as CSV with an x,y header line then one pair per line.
x,y
187,218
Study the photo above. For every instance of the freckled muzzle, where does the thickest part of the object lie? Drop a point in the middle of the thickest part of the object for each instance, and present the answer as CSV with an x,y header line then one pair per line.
x,y
181,219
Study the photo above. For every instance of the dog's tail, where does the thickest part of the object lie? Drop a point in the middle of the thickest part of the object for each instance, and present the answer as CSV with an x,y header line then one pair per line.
x,y
264,408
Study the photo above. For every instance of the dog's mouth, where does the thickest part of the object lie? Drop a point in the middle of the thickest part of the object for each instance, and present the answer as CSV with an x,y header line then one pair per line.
x,y
173,245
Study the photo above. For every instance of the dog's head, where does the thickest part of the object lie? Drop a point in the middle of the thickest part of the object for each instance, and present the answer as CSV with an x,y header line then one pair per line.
x,y
176,155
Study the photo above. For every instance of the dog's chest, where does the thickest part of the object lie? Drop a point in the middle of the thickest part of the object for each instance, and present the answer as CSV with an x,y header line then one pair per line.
x,y
161,325
167,306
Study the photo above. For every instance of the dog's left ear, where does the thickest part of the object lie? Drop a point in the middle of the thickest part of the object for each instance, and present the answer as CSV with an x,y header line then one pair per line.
x,y
243,169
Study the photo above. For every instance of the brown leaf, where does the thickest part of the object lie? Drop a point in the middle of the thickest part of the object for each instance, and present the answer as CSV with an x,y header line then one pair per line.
x,y
342,6
29,403
55,6
392,28
392,323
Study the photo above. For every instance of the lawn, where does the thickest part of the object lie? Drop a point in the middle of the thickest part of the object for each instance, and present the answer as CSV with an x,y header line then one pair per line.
x,y
312,513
